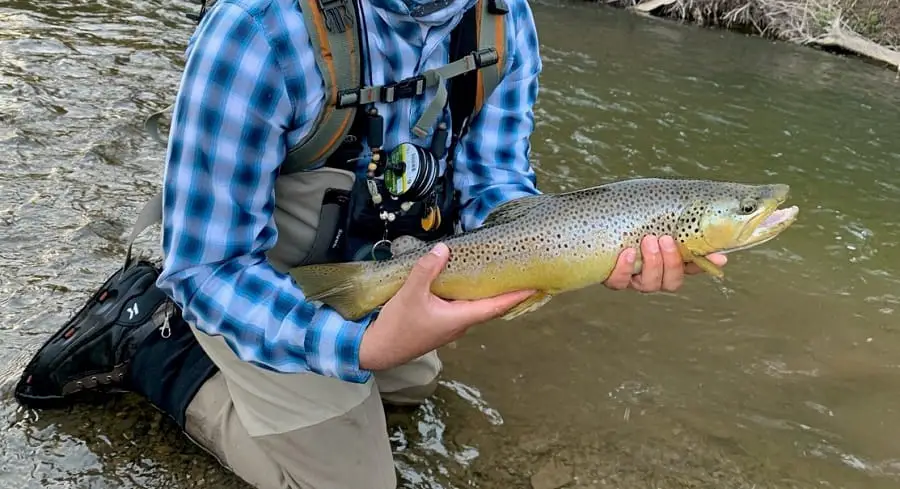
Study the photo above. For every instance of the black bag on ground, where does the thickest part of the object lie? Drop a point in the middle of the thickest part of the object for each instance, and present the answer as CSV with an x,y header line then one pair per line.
x,y
97,349
123,305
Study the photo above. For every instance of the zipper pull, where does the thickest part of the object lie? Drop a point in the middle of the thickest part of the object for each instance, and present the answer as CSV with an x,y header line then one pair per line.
x,y
165,330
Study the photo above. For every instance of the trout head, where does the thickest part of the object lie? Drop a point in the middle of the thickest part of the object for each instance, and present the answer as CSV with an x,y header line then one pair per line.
x,y
727,217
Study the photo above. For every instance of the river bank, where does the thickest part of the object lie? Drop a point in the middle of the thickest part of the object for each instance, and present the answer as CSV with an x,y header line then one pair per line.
x,y
867,28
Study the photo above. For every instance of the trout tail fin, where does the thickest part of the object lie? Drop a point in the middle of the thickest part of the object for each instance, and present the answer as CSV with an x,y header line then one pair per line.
x,y
345,287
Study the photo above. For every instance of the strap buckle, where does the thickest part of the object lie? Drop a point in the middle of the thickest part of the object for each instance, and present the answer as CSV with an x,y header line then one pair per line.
x,y
406,88
485,57
337,15
498,7
347,98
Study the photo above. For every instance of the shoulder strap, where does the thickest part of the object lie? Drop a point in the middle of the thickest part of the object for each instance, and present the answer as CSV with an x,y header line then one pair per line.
x,y
333,27
491,27
481,30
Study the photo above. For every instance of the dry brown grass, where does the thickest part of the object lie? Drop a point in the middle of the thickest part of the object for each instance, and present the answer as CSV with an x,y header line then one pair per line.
x,y
870,28
791,20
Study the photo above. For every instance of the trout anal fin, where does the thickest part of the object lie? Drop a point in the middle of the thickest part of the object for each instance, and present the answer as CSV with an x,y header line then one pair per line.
x,y
531,304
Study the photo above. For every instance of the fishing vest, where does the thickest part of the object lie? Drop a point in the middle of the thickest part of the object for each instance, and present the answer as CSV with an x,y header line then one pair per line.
x,y
315,204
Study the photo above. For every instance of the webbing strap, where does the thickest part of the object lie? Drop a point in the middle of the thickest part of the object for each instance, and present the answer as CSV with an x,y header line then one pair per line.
x,y
149,215
151,124
479,59
333,27
416,85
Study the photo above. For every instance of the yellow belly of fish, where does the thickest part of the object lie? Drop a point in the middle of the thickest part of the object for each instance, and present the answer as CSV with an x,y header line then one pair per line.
x,y
551,277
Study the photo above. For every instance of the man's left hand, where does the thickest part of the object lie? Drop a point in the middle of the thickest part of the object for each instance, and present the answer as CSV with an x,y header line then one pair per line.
x,y
662,268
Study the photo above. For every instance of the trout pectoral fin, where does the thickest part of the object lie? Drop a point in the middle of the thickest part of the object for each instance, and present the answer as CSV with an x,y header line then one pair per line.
x,y
708,266
338,285
702,262
530,304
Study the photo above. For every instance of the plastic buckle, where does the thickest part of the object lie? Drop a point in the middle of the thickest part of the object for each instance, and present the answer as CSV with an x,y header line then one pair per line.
x,y
347,98
406,88
485,57
337,15
498,7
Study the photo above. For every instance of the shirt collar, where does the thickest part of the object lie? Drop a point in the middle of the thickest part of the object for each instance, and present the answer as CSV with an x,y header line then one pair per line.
x,y
426,12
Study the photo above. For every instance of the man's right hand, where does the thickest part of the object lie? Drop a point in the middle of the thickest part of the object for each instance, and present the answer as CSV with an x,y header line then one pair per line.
x,y
415,321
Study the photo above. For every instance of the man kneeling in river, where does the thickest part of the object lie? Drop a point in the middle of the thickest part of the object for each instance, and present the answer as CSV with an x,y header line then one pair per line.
x,y
283,391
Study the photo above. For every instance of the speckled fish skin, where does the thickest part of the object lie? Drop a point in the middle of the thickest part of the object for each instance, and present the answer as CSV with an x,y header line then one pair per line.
x,y
555,243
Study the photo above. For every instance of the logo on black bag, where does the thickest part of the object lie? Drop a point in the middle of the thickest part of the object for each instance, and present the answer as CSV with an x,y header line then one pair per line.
x,y
132,311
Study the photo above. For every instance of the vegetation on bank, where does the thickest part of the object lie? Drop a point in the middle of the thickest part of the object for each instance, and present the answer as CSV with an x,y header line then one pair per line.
x,y
869,28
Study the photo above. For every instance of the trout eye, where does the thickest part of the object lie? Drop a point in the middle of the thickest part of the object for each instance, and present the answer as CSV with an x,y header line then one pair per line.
x,y
748,206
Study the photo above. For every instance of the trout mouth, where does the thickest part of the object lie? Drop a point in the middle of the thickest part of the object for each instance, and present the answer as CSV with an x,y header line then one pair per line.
x,y
768,228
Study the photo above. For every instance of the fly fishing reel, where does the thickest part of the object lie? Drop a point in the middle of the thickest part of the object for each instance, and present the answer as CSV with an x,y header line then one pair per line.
x,y
411,172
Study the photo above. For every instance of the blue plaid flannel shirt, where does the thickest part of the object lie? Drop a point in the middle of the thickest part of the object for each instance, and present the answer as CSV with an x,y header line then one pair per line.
x,y
249,91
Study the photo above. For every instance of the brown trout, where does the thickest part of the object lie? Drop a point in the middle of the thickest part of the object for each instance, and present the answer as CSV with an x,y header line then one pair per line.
x,y
554,243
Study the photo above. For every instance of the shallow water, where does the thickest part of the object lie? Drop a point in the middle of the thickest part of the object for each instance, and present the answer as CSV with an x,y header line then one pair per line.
x,y
787,378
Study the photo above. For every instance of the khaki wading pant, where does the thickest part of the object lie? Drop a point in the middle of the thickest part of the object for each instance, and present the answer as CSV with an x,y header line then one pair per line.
x,y
349,450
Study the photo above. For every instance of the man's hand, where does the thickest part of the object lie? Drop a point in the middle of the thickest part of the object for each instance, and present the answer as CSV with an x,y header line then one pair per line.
x,y
415,321
663,268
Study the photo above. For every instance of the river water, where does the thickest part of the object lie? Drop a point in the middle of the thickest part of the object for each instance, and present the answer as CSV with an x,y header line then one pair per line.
x,y
786,377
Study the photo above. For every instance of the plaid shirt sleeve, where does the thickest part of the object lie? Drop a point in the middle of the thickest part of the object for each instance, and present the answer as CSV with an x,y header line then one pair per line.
x,y
492,160
227,141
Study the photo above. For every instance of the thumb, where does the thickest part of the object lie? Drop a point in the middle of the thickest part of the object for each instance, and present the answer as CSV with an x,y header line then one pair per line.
x,y
427,268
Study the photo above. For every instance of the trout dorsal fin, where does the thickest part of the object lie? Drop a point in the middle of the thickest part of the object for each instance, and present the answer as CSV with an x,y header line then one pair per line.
x,y
515,209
